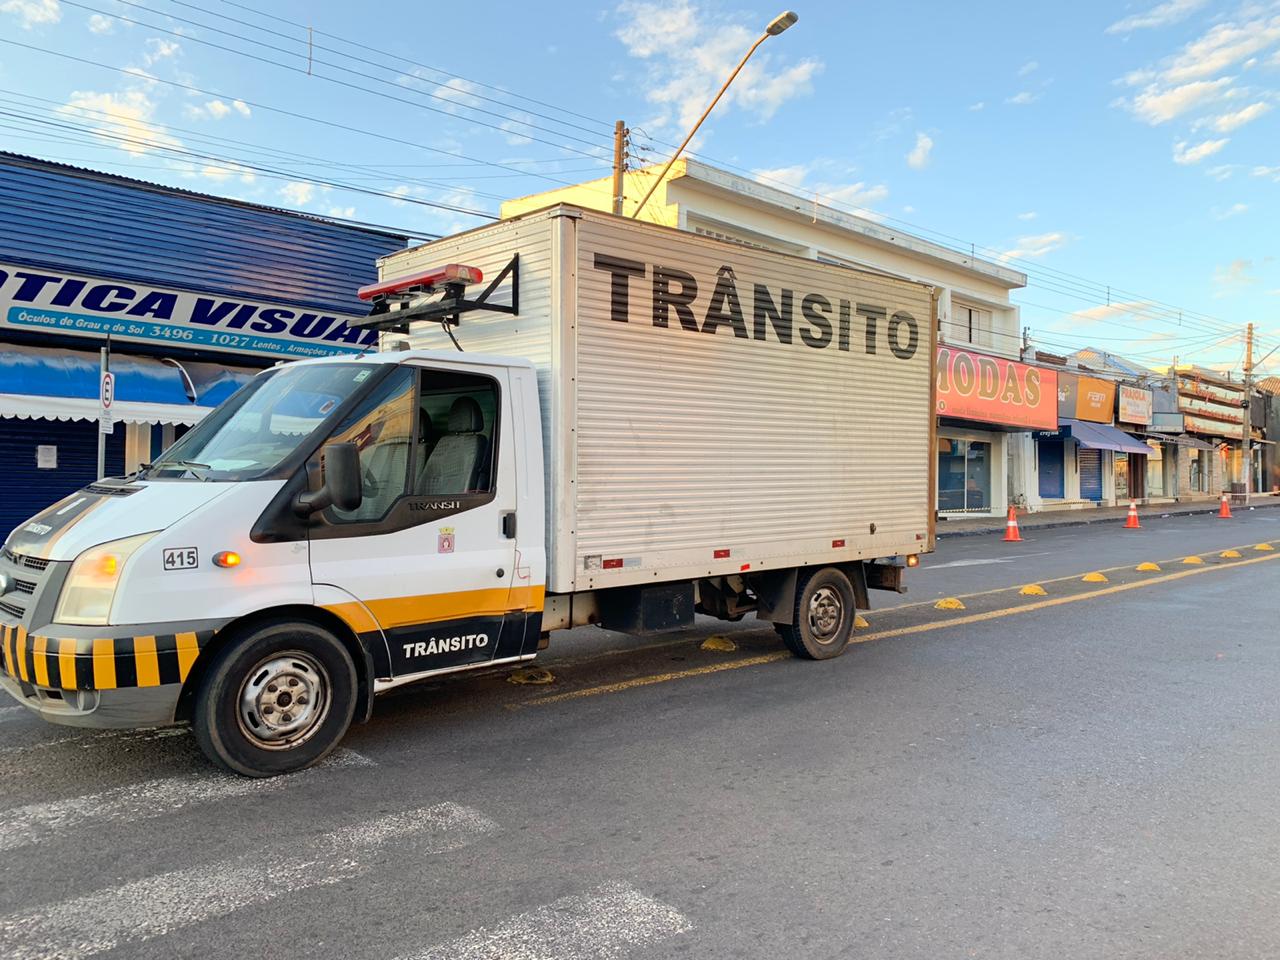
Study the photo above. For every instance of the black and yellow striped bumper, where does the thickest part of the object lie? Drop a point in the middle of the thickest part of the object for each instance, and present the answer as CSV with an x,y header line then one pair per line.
x,y
100,663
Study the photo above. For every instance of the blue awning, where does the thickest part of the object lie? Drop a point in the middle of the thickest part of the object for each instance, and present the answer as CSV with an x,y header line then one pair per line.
x,y
1100,436
63,384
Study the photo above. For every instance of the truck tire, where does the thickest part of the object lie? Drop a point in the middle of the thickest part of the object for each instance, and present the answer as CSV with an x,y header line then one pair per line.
x,y
823,617
276,699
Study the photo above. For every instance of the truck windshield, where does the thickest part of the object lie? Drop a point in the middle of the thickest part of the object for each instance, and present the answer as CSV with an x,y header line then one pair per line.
x,y
262,424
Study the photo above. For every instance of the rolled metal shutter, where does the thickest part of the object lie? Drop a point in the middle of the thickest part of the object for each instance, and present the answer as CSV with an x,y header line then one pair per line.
x,y
28,489
1090,462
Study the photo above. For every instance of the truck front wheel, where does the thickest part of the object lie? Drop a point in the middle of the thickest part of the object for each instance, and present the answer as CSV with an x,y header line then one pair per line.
x,y
823,617
276,699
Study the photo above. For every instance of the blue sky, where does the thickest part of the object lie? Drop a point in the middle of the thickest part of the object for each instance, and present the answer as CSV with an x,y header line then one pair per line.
x,y
1126,156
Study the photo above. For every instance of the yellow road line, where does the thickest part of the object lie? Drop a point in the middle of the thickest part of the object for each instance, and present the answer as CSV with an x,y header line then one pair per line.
x,y
886,634
655,678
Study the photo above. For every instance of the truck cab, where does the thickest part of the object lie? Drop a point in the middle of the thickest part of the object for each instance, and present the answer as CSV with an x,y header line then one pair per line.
x,y
336,528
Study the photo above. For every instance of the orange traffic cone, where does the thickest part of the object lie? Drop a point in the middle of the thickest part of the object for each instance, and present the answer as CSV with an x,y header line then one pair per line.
x,y
1131,522
1011,534
1224,511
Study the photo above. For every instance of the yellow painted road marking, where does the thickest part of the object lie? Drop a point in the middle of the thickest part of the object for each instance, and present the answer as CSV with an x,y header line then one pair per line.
x,y
886,634
188,650
655,678
104,665
144,652
67,663
42,665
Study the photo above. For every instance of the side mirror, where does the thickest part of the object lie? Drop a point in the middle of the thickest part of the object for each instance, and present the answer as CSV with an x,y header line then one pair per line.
x,y
342,487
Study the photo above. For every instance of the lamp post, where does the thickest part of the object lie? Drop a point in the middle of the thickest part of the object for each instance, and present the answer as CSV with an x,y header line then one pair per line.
x,y
775,27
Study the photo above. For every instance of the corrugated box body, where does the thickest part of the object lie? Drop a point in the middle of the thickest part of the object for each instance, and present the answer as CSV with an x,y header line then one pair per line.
x,y
707,408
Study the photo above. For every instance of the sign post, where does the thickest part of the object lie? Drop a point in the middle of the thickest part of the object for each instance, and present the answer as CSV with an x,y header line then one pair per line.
x,y
106,418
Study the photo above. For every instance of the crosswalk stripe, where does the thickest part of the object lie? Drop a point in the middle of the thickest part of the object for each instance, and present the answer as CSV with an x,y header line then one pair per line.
x,y
154,906
605,924
25,825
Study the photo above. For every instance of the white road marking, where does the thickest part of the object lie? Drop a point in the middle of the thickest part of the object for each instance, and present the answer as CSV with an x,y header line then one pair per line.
x,y
14,713
154,906
604,924
977,562
86,740
23,826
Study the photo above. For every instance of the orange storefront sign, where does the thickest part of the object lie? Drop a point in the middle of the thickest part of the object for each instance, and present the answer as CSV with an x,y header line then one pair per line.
x,y
972,386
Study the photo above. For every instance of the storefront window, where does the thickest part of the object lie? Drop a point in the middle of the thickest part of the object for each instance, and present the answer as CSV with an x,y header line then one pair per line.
x,y
1199,472
1121,461
964,476
1155,471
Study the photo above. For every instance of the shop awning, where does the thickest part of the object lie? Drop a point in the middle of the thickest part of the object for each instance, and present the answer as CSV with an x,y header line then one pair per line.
x,y
1100,436
79,408
57,384
1182,441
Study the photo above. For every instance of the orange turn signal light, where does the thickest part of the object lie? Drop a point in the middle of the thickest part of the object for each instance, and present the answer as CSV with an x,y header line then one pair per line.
x,y
226,558
913,560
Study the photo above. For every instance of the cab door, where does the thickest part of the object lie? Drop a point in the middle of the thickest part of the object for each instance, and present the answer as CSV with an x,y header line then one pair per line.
x,y
430,551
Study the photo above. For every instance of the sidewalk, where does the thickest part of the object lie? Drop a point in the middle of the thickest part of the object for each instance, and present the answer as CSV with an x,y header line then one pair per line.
x,y
1078,518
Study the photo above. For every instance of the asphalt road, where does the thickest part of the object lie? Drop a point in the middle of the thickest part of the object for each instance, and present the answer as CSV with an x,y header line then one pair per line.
x,y
1092,772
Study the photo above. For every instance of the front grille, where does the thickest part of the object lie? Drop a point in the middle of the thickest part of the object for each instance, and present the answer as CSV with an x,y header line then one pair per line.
x,y
21,560
12,609
24,586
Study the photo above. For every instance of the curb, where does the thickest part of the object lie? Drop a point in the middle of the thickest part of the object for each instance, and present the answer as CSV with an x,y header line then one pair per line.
x,y
1084,522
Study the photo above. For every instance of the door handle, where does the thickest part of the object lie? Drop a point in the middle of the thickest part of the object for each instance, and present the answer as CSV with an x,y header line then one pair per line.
x,y
509,525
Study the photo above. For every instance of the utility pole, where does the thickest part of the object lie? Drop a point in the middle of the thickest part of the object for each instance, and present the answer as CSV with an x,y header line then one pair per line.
x,y
620,132
1246,445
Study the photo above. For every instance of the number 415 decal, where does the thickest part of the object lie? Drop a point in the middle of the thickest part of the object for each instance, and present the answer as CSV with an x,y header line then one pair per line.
x,y
181,558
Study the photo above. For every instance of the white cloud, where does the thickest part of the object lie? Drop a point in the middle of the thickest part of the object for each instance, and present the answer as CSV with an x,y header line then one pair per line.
x,y
33,13
1234,276
796,179
1027,68
1157,104
1232,211
122,119
1035,246
1238,118
100,24
517,129
689,52
221,172
298,193
975,107
1271,172
159,49
216,109
241,108
1022,98
1137,309
918,158
792,177
343,213
1159,16
1222,172
1029,215
1187,154
1223,46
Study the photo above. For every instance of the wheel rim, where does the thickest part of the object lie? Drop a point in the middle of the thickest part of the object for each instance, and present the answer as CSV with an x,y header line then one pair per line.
x,y
826,614
284,700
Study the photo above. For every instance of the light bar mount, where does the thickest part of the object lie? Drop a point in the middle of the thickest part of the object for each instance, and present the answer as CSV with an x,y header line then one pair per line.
x,y
392,313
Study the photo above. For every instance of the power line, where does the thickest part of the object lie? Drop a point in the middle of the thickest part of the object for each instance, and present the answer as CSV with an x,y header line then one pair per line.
x,y
343,83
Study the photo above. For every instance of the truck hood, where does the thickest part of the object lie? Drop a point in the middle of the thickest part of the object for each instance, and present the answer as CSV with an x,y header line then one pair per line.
x,y
102,512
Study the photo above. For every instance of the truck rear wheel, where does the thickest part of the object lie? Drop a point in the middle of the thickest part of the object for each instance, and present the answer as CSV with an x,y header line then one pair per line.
x,y
275,700
823,617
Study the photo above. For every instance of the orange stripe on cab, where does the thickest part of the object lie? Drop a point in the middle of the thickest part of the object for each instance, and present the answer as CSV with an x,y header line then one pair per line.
x,y
144,652
104,665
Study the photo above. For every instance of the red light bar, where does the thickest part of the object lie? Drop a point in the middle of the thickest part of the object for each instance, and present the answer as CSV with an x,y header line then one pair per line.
x,y
449,273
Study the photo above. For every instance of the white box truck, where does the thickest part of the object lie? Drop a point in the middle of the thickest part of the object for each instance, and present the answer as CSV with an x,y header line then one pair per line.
x,y
638,424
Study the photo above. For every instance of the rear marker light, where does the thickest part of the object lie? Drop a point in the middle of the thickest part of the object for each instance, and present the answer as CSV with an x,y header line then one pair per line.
x,y
226,558
614,564
837,544
721,555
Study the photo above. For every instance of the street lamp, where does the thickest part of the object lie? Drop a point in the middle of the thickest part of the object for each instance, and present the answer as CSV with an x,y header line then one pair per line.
x,y
775,27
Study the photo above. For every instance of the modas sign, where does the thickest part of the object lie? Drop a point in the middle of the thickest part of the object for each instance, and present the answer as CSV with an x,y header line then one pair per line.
x,y
972,386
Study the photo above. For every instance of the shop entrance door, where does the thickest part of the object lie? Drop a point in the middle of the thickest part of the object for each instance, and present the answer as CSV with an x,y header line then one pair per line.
x,y
1052,479
1090,462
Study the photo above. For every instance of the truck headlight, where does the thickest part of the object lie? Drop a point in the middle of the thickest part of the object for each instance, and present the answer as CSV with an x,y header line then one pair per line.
x,y
91,585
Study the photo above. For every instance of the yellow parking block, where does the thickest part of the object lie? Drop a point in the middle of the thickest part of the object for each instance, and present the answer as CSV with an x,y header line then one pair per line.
x,y
535,676
1094,577
1033,590
948,603
1192,560
860,622
719,643
1148,567
1230,554
1264,546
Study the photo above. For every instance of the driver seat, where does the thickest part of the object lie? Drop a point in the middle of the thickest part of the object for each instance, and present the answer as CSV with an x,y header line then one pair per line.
x,y
455,463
